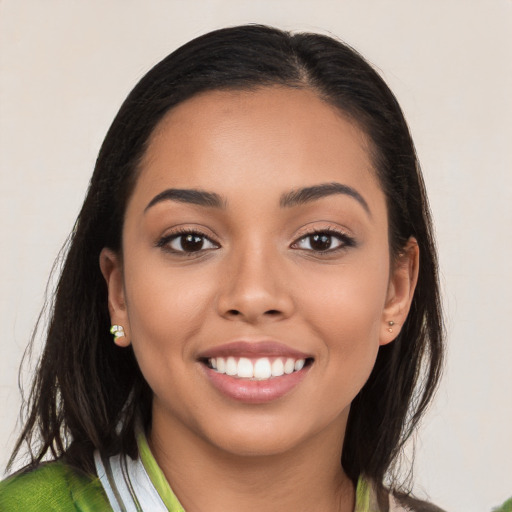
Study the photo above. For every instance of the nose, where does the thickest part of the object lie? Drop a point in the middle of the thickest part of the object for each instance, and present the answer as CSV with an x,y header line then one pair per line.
x,y
255,288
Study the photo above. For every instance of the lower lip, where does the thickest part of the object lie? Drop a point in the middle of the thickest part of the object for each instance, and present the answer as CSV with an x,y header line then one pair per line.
x,y
255,391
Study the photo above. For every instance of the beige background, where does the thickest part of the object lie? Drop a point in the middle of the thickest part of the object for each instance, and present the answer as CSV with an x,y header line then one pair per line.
x,y
65,67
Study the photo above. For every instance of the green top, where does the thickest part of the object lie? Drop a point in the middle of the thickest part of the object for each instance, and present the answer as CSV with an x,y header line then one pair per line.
x,y
53,487
506,507
157,476
57,487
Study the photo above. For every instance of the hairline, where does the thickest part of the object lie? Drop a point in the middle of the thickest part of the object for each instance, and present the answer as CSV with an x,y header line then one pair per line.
x,y
353,116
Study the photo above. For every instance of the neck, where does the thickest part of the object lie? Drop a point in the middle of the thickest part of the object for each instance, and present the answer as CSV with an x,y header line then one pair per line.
x,y
206,477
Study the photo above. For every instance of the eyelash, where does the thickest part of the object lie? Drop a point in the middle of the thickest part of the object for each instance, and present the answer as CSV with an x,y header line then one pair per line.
x,y
345,240
164,242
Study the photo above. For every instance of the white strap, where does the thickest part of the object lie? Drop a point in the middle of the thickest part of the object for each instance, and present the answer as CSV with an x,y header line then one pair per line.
x,y
127,484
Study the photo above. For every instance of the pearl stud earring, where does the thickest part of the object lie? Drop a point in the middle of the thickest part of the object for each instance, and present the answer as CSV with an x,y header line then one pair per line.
x,y
117,331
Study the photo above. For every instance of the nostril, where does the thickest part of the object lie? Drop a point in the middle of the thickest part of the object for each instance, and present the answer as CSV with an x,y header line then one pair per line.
x,y
272,312
233,312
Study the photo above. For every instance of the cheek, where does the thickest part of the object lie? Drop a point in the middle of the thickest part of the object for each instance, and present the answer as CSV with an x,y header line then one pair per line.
x,y
345,308
165,309
348,300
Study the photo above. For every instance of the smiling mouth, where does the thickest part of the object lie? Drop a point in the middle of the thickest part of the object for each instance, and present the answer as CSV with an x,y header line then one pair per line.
x,y
262,368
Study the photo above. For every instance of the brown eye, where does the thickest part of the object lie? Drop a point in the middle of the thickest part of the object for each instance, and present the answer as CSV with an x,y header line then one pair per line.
x,y
189,243
321,242
324,241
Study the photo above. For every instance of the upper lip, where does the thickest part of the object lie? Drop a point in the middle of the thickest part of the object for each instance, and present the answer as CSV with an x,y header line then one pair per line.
x,y
242,348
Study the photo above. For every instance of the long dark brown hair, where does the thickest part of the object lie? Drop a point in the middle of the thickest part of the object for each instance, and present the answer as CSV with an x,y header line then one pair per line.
x,y
88,393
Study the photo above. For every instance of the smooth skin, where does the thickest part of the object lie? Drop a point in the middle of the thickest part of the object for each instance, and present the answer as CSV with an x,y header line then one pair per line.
x,y
247,266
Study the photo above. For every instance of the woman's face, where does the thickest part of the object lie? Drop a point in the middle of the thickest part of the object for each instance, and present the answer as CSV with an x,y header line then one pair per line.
x,y
255,284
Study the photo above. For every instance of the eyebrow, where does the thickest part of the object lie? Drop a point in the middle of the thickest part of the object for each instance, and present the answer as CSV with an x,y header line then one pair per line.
x,y
308,194
289,199
188,195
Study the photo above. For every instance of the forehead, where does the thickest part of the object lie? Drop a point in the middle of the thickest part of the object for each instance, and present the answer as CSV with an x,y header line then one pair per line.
x,y
273,137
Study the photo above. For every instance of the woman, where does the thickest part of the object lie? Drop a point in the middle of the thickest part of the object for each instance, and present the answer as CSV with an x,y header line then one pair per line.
x,y
256,237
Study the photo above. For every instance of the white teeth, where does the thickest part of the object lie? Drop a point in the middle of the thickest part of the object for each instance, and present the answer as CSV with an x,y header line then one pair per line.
x,y
260,369
221,365
245,368
289,366
231,366
277,368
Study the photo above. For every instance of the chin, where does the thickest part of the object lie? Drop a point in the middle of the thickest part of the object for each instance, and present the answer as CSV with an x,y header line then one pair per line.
x,y
267,437
256,445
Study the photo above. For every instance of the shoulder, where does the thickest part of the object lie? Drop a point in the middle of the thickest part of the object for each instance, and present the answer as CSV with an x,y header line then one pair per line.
x,y
372,497
52,487
506,507
403,502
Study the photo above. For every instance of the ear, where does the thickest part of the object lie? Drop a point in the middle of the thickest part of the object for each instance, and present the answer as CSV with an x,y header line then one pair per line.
x,y
112,270
402,283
